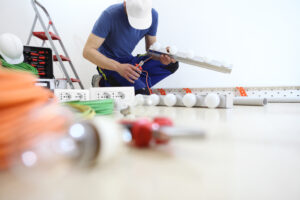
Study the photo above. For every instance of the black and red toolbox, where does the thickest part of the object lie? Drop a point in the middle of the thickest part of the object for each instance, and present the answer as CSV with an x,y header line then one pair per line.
x,y
40,58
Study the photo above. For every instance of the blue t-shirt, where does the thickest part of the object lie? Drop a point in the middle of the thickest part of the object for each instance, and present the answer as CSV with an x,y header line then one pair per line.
x,y
120,37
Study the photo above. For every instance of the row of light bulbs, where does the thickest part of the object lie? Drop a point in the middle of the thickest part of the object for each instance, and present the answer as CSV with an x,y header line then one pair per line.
x,y
189,100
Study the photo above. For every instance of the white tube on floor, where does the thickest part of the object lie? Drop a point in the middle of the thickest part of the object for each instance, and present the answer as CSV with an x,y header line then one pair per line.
x,y
200,101
250,101
284,100
226,101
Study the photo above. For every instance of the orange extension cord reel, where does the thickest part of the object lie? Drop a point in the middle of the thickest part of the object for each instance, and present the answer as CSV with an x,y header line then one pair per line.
x,y
26,113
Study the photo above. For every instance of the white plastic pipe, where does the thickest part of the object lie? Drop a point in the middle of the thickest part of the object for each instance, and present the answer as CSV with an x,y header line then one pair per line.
x,y
284,100
200,101
250,101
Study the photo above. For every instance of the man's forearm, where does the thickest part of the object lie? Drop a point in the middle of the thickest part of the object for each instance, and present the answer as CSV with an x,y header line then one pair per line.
x,y
101,60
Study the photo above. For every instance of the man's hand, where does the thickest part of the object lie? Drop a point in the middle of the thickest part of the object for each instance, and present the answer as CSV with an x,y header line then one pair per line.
x,y
166,60
129,72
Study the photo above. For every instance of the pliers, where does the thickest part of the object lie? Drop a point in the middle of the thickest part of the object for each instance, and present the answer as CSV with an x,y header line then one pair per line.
x,y
140,65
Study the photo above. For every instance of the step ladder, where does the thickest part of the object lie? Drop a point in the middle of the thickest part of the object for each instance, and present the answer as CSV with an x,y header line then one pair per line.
x,y
47,35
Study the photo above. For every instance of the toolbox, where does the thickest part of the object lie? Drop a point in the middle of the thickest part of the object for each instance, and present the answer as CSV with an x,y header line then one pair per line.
x,y
40,58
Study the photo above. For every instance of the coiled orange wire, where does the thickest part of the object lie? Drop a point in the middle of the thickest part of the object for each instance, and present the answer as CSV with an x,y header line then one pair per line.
x,y
26,114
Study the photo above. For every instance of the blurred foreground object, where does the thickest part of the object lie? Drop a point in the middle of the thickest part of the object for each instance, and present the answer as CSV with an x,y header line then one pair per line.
x,y
19,98
36,131
144,133
97,107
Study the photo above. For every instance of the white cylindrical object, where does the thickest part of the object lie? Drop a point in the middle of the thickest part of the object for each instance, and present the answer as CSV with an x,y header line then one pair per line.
x,y
212,100
189,100
250,101
284,100
110,135
200,101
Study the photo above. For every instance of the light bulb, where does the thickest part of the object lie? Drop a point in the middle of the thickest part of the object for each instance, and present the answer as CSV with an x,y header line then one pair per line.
x,y
148,101
139,100
170,100
155,99
212,100
189,100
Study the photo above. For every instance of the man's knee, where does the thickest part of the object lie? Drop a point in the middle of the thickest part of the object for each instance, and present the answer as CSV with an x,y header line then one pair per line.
x,y
173,67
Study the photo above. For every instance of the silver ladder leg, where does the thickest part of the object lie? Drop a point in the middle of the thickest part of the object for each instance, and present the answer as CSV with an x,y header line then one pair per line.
x,y
32,29
35,3
67,55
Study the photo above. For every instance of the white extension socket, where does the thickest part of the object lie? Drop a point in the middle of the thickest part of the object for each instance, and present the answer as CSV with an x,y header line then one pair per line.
x,y
123,96
66,95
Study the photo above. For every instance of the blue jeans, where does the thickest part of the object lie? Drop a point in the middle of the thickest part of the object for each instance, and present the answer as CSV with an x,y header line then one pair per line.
x,y
156,70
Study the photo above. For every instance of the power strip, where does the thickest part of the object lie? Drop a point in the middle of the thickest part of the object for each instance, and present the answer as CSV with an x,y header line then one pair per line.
x,y
123,96
66,95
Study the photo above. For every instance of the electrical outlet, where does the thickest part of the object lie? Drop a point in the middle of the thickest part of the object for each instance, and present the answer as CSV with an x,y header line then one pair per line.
x,y
123,96
72,95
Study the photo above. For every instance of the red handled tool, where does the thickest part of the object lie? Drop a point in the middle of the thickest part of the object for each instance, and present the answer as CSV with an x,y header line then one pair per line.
x,y
145,132
140,65
159,131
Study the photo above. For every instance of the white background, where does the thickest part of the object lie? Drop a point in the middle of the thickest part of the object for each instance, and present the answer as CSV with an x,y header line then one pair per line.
x,y
260,37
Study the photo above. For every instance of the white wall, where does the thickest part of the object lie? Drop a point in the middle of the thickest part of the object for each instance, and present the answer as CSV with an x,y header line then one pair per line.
x,y
260,37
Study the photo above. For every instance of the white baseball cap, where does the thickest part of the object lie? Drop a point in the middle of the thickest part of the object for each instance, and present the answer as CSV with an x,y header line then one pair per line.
x,y
139,13
11,48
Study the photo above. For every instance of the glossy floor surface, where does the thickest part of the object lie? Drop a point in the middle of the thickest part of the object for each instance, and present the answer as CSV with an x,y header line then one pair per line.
x,y
248,153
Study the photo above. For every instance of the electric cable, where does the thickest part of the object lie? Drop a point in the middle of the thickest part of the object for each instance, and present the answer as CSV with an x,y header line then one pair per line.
x,y
85,111
140,66
20,67
27,113
147,77
100,107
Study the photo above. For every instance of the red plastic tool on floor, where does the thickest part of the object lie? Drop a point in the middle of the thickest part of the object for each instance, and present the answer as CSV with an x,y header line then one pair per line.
x,y
146,133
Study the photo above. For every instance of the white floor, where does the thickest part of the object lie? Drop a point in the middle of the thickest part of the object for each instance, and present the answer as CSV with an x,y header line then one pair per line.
x,y
249,153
